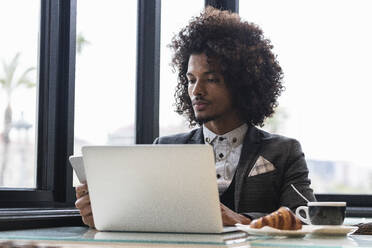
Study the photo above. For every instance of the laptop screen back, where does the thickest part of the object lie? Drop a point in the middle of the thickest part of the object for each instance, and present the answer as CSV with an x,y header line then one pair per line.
x,y
161,188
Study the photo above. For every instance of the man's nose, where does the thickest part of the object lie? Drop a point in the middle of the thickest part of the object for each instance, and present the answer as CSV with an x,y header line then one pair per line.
x,y
198,89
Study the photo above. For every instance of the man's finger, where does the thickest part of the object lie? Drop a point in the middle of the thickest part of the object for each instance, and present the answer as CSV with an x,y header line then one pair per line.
x,y
86,211
81,190
81,194
82,187
230,218
88,220
222,210
82,201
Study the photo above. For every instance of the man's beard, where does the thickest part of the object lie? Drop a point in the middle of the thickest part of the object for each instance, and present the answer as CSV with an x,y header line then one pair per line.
x,y
204,120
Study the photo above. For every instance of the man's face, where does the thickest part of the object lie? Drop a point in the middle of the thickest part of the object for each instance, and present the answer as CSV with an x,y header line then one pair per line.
x,y
210,98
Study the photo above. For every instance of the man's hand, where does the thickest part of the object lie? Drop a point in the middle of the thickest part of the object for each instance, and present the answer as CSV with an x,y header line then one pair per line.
x,y
83,204
230,218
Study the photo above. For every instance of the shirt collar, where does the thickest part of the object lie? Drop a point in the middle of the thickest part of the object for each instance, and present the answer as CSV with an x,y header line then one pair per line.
x,y
234,137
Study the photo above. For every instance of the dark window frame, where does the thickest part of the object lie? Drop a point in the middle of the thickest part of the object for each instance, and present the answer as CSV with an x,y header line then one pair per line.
x,y
51,203
52,200
148,71
56,67
232,5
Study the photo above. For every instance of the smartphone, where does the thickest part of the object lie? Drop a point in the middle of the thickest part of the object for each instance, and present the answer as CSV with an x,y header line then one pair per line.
x,y
77,164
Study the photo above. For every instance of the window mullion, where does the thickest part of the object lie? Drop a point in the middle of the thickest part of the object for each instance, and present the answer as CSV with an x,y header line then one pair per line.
x,y
47,64
56,98
232,5
148,69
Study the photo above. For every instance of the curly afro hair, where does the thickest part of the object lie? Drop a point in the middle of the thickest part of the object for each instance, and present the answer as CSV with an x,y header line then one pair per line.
x,y
250,69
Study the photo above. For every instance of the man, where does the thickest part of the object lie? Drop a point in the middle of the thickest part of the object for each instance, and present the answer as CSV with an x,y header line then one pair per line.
x,y
228,83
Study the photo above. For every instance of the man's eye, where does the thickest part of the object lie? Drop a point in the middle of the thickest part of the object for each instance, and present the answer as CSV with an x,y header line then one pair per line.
x,y
192,81
213,80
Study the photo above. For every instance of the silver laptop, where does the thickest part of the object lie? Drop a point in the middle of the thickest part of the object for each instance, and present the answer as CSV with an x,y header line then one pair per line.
x,y
153,188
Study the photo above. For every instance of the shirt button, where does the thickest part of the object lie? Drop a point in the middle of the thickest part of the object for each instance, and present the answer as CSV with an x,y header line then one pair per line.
x,y
208,140
218,176
220,155
221,138
234,140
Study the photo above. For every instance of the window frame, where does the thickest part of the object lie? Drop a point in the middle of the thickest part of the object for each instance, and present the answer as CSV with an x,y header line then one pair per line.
x,y
52,200
55,110
357,205
51,203
148,71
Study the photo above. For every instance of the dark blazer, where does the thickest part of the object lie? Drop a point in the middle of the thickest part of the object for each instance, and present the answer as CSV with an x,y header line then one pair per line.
x,y
259,195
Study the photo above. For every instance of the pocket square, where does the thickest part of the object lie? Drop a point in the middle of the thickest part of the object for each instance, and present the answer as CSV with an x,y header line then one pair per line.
x,y
261,166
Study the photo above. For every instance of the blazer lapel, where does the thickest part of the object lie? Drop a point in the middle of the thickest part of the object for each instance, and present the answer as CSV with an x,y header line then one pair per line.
x,y
197,137
249,154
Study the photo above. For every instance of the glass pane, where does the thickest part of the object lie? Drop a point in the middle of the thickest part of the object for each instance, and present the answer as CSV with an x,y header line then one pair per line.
x,y
324,48
172,20
19,25
105,73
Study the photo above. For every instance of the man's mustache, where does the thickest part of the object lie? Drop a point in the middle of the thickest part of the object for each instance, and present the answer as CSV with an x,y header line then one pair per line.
x,y
199,100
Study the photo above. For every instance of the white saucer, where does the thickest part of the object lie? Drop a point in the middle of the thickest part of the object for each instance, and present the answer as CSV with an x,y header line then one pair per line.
x,y
269,231
333,230
306,229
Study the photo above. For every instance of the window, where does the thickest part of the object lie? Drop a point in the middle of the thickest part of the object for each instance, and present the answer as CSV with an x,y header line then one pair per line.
x,y
18,56
51,198
324,50
110,90
105,73
173,21
319,94
51,201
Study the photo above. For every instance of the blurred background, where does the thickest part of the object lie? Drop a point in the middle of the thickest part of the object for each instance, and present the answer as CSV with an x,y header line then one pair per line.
x,y
323,47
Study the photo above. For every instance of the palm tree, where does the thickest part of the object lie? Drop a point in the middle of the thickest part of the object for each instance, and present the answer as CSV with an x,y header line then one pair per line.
x,y
81,42
9,82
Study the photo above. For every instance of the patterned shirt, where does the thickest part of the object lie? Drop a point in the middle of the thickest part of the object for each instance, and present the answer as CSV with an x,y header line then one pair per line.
x,y
227,149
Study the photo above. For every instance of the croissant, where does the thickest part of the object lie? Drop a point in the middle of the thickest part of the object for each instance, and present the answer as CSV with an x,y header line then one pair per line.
x,y
283,219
